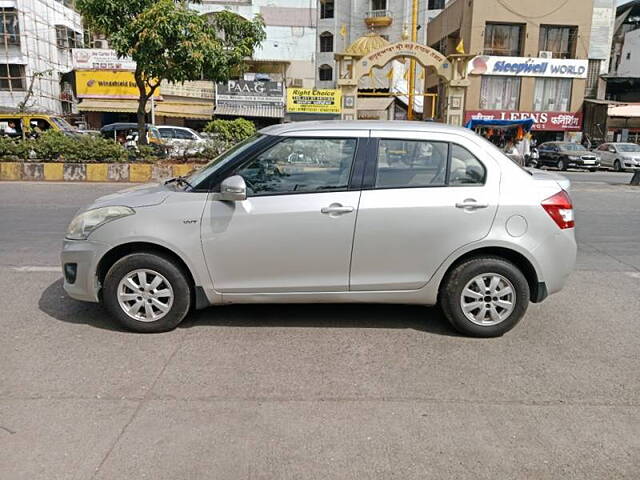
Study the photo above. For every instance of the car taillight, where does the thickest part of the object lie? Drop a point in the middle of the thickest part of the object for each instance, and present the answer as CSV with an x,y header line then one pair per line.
x,y
560,209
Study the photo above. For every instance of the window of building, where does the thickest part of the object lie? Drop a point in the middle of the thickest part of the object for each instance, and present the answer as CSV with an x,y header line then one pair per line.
x,y
499,93
593,74
436,4
325,73
378,5
326,9
9,26
503,39
552,95
559,40
326,42
67,38
12,77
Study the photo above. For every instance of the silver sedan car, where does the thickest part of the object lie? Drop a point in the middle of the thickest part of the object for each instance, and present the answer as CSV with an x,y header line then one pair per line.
x,y
619,156
382,212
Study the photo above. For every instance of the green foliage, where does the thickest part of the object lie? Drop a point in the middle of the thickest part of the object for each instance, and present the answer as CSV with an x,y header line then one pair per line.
x,y
54,146
231,131
170,41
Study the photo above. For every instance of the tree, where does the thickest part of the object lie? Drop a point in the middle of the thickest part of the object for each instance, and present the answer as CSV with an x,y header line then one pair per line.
x,y
170,41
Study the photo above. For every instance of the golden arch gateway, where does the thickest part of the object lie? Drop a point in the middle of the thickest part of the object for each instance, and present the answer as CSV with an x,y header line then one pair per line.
x,y
451,70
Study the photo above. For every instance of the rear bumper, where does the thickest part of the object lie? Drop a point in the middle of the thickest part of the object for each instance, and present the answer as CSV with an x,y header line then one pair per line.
x,y
85,255
557,259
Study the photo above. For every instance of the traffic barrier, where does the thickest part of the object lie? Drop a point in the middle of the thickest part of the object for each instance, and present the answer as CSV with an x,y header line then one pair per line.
x,y
91,172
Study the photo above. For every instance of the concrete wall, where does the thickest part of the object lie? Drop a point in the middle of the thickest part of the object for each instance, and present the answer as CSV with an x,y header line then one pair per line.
x,y
630,58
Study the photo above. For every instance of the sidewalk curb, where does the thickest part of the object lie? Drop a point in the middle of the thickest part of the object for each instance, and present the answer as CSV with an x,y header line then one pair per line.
x,y
91,172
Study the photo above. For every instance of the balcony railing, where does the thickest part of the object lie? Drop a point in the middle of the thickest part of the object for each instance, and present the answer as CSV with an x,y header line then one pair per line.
x,y
378,18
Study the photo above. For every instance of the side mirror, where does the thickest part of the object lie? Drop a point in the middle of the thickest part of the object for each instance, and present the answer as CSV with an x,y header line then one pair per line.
x,y
233,189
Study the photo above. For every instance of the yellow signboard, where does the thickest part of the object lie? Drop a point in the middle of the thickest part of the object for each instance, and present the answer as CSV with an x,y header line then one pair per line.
x,y
308,100
107,84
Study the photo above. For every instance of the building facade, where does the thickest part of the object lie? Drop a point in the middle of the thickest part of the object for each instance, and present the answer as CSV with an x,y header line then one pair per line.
x,y
35,54
343,22
532,59
623,79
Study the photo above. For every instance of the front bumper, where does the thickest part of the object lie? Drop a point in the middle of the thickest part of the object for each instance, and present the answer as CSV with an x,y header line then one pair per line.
x,y
85,255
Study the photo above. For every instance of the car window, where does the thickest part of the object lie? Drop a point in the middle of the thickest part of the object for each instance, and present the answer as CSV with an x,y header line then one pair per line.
x,y
183,134
411,163
465,168
301,165
166,132
629,148
603,147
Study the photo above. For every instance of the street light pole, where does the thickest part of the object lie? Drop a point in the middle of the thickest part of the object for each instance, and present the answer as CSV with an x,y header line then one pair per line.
x,y
412,62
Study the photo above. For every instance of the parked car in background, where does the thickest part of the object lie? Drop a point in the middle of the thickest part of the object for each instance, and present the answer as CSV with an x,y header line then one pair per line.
x,y
396,212
127,135
32,124
564,155
182,141
619,156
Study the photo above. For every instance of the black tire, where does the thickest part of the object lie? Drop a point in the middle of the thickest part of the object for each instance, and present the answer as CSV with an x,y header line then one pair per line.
x,y
592,170
458,278
165,267
617,166
562,165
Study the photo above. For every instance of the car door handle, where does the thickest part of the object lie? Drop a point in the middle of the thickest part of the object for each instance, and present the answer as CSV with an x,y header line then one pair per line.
x,y
470,204
336,209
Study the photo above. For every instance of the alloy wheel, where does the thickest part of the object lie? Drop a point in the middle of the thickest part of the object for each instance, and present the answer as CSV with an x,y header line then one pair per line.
x,y
488,299
145,295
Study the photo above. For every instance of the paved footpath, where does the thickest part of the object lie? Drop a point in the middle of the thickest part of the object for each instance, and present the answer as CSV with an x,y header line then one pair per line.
x,y
317,392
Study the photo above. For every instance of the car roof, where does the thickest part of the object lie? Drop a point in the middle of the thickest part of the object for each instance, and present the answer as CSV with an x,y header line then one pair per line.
x,y
113,126
395,125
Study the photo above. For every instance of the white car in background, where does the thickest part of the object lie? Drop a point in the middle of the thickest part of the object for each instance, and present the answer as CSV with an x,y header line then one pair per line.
x,y
620,156
183,141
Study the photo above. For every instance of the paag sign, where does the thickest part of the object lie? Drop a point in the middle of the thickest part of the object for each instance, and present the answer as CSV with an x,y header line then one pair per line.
x,y
528,67
249,92
549,121
107,84
308,100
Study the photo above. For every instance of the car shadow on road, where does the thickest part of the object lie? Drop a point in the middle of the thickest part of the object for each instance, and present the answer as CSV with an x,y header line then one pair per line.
x,y
55,303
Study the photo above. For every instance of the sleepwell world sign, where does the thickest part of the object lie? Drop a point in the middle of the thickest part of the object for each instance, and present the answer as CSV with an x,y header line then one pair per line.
x,y
528,67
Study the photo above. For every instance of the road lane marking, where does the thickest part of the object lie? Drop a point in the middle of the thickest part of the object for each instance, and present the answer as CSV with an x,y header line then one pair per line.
x,y
36,269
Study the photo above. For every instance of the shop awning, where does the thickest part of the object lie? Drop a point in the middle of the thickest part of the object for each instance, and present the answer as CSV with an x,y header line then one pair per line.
x,y
104,105
192,110
377,104
266,111
630,111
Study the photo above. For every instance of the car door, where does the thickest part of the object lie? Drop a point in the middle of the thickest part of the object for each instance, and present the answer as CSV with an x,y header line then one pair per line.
x,y
423,197
294,232
611,154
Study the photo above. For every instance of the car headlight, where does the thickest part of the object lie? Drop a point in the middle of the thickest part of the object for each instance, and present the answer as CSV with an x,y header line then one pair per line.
x,y
86,222
573,157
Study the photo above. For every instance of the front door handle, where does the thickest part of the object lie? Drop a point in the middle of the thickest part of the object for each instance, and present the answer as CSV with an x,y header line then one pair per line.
x,y
336,209
471,204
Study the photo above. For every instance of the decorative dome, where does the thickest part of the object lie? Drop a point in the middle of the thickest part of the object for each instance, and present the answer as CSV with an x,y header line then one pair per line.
x,y
366,44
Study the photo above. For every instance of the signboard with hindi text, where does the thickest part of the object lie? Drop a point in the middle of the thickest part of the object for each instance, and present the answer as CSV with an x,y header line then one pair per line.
x,y
549,121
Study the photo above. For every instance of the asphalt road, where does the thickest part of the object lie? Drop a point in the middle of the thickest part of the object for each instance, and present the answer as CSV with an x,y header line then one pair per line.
x,y
316,392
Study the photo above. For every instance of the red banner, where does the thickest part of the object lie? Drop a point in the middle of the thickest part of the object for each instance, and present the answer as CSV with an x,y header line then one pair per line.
x,y
550,121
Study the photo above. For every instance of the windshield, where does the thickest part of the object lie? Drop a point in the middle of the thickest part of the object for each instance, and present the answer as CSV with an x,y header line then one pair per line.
x,y
628,147
62,123
574,147
222,159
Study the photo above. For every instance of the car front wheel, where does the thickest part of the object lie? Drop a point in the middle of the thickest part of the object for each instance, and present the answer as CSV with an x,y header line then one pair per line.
x,y
147,293
484,296
617,166
561,165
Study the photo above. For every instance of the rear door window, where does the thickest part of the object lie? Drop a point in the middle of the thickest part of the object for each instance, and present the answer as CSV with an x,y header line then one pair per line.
x,y
465,168
411,163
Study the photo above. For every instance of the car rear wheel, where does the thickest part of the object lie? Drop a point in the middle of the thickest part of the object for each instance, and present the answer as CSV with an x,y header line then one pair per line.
x,y
593,170
617,166
147,293
484,296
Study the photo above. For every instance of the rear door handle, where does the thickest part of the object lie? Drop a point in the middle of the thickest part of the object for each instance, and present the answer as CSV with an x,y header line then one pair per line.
x,y
336,209
471,204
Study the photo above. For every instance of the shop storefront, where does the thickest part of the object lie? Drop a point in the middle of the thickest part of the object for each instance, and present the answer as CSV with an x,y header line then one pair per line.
x,y
259,101
548,90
